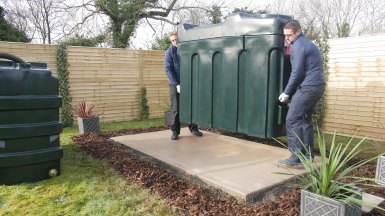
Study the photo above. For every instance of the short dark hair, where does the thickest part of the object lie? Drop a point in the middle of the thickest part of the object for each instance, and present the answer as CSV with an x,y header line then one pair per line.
x,y
293,25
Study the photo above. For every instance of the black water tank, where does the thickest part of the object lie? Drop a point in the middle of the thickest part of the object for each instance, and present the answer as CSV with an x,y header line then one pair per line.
x,y
29,121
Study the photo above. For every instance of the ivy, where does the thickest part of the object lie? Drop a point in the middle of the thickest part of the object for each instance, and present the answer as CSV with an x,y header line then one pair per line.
x,y
144,109
319,112
63,75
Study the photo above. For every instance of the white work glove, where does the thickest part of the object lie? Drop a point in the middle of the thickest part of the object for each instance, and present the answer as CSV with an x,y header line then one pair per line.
x,y
178,88
284,98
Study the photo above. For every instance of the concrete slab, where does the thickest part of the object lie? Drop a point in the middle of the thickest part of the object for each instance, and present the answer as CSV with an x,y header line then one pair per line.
x,y
372,200
242,168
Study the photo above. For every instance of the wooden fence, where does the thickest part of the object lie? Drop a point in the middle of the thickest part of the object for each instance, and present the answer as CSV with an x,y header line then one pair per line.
x,y
111,79
356,86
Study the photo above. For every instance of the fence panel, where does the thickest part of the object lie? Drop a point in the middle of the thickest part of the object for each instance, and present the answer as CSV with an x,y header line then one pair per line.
x,y
32,52
356,86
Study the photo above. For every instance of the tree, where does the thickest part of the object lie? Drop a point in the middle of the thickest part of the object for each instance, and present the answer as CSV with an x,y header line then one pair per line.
x,y
336,18
161,43
243,10
310,31
215,14
249,11
49,21
125,15
197,15
43,18
373,17
8,32
343,30
81,40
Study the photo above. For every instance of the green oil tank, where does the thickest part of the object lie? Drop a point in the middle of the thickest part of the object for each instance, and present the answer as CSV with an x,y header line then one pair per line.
x,y
232,73
29,121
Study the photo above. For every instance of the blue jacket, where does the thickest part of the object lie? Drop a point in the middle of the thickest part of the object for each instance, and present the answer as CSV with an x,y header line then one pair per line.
x,y
172,65
306,65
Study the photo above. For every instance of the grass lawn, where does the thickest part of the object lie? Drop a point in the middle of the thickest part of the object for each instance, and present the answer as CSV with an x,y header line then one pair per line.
x,y
368,149
85,187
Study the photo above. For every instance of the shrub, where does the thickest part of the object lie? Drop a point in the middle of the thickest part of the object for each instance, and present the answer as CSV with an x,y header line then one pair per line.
x,y
85,110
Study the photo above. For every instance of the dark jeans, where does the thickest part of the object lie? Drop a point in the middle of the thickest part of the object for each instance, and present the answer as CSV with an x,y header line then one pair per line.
x,y
174,98
298,119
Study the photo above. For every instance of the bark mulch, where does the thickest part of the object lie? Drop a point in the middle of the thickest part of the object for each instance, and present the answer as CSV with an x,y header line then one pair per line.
x,y
185,196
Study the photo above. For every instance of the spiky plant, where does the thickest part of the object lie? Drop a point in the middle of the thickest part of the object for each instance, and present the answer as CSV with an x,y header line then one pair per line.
x,y
330,177
85,110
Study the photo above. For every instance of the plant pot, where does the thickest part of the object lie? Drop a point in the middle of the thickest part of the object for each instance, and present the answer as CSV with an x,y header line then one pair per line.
x,y
380,171
167,118
87,125
316,205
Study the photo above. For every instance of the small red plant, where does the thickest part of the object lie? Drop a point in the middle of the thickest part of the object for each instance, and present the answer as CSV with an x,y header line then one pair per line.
x,y
84,110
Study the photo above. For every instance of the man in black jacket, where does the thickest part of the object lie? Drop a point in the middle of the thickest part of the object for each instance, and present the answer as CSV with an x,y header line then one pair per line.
x,y
172,67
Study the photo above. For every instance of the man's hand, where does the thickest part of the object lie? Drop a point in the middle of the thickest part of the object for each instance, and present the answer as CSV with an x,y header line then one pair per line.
x,y
284,98
178,88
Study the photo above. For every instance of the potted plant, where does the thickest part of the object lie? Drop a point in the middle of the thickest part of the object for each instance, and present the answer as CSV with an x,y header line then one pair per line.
x,y
88,121
380,171
327,188
167,118
167,112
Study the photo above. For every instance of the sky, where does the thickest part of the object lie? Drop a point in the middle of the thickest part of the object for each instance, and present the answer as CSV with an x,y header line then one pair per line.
x,y
145,34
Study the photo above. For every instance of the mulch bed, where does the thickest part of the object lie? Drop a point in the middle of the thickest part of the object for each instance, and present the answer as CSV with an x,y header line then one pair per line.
x,y
184,196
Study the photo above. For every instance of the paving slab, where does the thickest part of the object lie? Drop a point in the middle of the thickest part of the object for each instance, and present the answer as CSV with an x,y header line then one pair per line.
x,y
241,168
372,200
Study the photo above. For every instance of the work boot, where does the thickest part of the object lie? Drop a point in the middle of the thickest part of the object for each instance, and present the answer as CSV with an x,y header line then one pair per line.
x,y
196,132
174,135
291,161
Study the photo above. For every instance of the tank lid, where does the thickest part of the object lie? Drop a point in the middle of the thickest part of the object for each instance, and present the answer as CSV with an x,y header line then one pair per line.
x,y
237,24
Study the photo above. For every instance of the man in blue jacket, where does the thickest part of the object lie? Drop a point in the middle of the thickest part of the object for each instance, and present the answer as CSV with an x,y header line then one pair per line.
x,y
306,85
172,67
